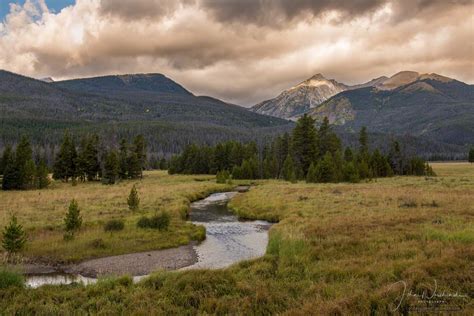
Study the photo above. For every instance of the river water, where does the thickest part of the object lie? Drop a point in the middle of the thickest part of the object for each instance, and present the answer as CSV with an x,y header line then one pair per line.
x,y
228,240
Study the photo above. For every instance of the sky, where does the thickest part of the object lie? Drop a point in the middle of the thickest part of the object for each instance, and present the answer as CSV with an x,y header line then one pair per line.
x,y
241,51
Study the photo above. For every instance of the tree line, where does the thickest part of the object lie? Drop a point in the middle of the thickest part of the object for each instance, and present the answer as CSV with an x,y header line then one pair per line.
x,y
20,171
308,153
90,161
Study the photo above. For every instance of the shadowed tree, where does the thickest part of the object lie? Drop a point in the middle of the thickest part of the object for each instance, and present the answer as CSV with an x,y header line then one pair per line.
x,y
7,156
304,142
139,148
288,171
123,159
42,178
110,174
65,163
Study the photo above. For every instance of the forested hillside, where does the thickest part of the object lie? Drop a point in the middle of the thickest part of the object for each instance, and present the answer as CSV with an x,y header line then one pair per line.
x,y
116,107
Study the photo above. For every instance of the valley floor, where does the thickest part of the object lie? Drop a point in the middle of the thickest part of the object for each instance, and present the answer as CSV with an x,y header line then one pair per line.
x,y
42,213
368,248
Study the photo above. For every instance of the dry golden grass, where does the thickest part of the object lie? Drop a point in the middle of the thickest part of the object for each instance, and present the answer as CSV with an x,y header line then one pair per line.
x,y
338,249
352,241
42,212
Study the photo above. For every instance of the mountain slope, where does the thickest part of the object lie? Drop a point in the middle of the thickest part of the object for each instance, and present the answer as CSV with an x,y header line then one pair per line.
x,y
120,106
300,98
432,106
156,83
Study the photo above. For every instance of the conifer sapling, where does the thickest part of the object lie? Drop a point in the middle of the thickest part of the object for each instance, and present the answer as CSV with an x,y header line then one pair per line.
x,y
14,237
133,199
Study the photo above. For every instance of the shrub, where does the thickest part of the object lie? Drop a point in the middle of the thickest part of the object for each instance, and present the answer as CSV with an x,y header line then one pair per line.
x,y
160,221
133,199
14,237
10,278
73,219
98,244
143,222
408,202
222,176
432,204
114,225
200,234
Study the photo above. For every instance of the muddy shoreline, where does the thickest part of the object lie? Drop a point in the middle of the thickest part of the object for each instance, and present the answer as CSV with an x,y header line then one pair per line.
x,y
133,264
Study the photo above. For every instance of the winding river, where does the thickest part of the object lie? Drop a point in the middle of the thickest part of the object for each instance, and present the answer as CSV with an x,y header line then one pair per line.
x,y
228,241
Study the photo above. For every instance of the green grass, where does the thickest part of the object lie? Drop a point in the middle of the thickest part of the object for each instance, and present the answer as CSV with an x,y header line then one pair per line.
x,y
10,279
337,249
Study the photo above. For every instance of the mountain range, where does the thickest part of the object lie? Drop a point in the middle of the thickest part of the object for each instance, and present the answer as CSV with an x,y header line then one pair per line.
x,y
433,113
167,114
431,106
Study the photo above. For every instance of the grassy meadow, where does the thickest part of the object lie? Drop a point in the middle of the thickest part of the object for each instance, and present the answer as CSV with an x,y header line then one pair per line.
x,y
336,249
42,213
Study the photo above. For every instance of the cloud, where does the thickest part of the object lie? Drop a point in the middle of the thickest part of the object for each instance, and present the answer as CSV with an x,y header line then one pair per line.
x,y
281,12
141,9
240,51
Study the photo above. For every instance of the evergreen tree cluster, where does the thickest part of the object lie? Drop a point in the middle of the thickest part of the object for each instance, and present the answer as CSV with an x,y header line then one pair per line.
x,y
92,162
471,155
20,171
210,160
309,153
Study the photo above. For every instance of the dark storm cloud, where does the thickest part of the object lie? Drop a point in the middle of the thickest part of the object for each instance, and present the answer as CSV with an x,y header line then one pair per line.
x,y
138,9
280,12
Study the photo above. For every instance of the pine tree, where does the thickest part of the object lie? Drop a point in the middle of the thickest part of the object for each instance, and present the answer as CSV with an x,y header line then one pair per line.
x,y
123,159
163,164
7,156
348,155
110,174
304,142
350,172
289,172
133,199
222,176
282,148
377,164
139,148
81,161
363,141
73,219
246,170
327,139
92,157
134,167
14,237
312,177
29,175
10,172
65,163
237,172
42,178
471,155
24,164
325,170
395,158
364,170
